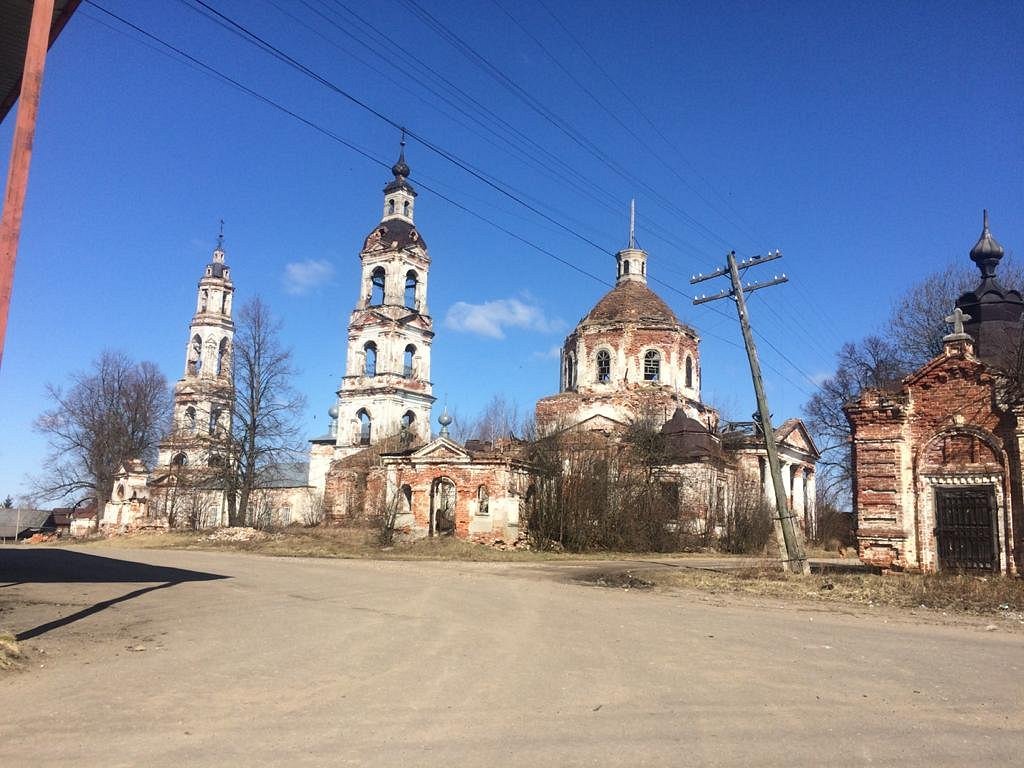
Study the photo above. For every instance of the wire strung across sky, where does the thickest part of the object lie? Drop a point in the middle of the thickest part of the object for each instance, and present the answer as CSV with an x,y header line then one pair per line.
x,y
492,182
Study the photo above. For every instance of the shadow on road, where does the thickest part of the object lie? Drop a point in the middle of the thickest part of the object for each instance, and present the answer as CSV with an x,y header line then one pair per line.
x,y
49,566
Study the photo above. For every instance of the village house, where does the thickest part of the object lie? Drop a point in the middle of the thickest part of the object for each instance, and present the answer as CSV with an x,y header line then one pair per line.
x,y
937,463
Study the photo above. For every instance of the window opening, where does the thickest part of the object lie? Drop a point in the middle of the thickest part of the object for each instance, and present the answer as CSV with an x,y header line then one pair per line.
x,y
652,365
190,419
365,425
483,502
370,366
391,207
689,372
214,420
411,283
222,356
407,363
604,366
377,286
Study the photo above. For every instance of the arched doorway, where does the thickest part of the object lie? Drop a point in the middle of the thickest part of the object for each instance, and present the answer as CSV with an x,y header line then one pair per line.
x,y
442,507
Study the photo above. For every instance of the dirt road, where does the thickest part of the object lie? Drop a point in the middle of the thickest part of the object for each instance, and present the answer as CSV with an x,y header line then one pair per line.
x,y
174,658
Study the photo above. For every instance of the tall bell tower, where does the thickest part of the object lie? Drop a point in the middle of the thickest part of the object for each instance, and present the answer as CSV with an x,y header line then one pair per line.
x,y
386,389
204,396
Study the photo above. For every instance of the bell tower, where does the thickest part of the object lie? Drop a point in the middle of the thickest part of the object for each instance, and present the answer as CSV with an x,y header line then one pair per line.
x,y
204,395
386,391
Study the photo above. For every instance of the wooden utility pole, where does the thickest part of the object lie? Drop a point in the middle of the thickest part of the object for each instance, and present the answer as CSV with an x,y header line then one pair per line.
x,y
791,547
21,154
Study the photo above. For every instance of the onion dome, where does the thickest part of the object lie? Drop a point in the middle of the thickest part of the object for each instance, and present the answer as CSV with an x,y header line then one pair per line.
x,y
401,172
986,253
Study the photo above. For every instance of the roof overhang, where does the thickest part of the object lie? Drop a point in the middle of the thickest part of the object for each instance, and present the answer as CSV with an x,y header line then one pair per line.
x,y
15,16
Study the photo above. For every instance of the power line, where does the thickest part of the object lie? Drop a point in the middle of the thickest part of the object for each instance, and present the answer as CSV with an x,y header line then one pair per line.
x,y
367,155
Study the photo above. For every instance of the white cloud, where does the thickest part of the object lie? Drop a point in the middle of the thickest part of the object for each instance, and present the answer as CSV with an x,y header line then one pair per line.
x,y
554,353
303,276
492,318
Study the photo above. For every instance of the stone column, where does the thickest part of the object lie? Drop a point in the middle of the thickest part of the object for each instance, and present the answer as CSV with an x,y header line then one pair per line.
x,y
810,505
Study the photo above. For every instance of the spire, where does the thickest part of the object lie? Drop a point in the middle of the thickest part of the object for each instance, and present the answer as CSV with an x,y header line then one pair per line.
x,y
401,168
218,252
632,223
399,195
631,261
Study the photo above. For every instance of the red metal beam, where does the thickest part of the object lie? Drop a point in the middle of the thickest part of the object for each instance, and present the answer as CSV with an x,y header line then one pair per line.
x,y
21,155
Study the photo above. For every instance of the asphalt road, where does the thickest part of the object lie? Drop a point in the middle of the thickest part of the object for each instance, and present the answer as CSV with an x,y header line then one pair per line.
x,y
167,658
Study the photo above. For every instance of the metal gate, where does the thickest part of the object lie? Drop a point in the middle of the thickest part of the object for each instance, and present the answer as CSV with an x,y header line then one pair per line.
x,y
966,529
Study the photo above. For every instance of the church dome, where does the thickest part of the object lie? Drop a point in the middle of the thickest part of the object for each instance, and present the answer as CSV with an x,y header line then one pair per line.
x,y
630,302
394,233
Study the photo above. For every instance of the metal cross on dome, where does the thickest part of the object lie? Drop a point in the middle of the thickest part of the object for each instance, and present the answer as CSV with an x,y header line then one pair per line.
x,y
957,320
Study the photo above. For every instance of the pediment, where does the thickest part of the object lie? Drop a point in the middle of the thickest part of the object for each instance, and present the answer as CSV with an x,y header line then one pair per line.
x,y
794,434
441,449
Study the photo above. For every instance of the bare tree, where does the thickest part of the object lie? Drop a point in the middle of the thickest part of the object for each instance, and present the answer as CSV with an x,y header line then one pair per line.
x,y
264,425
115,411
918,317
501,419
873,363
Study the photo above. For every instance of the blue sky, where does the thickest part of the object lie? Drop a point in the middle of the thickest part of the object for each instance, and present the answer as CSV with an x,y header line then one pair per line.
x,y
861,141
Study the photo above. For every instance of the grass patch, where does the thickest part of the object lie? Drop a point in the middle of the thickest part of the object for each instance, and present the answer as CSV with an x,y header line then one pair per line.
x,y
942,592
339,542
9,652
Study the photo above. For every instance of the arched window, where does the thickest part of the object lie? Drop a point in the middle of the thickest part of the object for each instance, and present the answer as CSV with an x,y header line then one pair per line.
x,y
215,461
190,419
391,207
407,419
202,303
222,356
482,501
214,420
179,460
652,365
604,366
377,286
405,209
570,371
120,491
365,425
405,499
195,355
370,366
411,281
689,372
407,363
625,267
224,303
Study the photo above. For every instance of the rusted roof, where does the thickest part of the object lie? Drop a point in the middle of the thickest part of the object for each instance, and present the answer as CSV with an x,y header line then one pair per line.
x,y
15,16
631,301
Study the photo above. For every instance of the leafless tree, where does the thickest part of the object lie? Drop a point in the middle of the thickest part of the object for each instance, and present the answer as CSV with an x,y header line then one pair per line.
x,y
264,425
918,324
115,411
873,363
314,509
499,420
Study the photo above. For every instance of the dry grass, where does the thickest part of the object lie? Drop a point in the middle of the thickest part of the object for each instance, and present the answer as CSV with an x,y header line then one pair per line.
x,y
953,593
352,543
960,594
9,652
